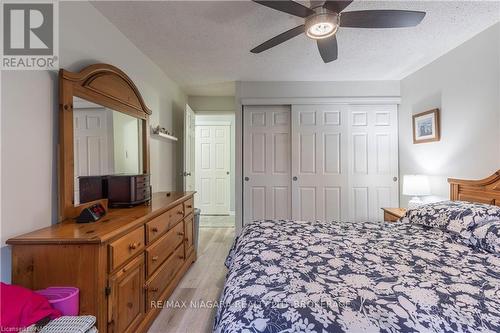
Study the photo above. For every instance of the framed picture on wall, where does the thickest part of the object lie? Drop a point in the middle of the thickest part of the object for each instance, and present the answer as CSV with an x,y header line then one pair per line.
x,y
426,126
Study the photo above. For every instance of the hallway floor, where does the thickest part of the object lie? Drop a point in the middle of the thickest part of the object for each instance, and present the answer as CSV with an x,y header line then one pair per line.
x,y
217,221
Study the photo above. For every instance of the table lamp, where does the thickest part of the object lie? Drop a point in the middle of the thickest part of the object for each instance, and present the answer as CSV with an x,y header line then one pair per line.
x,y
415,186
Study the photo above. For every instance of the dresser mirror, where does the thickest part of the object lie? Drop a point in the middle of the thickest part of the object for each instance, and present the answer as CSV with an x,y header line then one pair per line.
x,y
104,131
106,142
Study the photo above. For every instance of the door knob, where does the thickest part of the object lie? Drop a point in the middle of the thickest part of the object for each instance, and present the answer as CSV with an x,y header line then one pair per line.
x,y
395,179
227,172
247,179
294,178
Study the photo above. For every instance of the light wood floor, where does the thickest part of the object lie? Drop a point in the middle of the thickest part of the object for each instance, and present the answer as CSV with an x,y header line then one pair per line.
x,y
202,284
217,221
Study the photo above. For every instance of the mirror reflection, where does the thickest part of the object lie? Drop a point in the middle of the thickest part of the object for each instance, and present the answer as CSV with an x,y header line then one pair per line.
x,y
106,142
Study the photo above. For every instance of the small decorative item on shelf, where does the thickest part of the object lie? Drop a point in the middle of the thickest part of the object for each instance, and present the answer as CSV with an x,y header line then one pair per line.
x,y
161,131
158,129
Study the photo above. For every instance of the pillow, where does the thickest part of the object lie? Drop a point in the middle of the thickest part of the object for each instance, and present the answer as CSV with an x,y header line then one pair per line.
x,y
485,236
476,224
453,215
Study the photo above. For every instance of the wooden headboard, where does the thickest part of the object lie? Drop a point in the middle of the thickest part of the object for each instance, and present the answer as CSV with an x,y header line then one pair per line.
x,y
483,191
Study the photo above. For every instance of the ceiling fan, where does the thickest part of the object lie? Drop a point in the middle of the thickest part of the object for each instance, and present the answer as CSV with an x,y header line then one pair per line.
x,y
323,19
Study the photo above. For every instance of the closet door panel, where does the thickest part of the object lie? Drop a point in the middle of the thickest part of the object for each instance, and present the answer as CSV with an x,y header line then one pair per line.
x,y
373,162
333,203
266,163
319,162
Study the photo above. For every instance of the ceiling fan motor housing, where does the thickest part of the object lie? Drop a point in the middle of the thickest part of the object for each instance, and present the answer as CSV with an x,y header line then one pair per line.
x,y
322,24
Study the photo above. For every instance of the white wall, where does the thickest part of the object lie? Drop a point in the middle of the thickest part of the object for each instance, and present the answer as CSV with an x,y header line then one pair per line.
x,y
29,120
212,104
465,85
301,89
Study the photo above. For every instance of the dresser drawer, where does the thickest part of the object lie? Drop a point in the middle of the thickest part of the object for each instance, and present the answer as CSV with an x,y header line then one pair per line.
x,y
160,224
163,276
126,247
142,180
188,206
157,226
163,248
143,193
177,214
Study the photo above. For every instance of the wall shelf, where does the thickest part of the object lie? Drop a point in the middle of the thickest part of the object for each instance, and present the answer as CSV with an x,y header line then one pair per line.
x,y
157,131
165,136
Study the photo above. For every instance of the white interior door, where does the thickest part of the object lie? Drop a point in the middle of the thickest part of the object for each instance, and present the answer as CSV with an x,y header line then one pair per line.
x,y
92,144
212,168
266,163
373,160
189,150
319,162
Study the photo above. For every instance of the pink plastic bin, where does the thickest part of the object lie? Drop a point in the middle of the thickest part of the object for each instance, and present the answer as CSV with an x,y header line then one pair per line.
x,y
64,299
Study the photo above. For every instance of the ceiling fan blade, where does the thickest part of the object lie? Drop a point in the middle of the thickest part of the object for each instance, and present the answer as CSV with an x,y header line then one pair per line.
x,y
381,19
328,48
337,6
290,7
279,39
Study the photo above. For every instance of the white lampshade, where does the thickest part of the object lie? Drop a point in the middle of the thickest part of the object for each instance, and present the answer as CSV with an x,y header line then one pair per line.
x,y
416,185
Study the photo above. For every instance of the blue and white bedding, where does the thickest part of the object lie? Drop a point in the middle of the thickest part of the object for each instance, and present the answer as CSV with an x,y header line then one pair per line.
x,y
294,276
475,224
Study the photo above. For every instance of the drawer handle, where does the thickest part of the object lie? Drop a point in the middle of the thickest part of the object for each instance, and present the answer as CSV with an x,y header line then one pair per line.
x,y
154,258
153,290
189,206
180,212
181,257
155,229
133,246
180,233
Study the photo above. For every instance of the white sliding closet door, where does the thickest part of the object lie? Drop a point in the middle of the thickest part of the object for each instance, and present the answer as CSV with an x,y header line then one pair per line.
x,y
319,162
326,162
373,160
266,163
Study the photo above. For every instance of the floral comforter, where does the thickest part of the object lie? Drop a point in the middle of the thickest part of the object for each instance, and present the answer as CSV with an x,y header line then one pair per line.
x,y
293,276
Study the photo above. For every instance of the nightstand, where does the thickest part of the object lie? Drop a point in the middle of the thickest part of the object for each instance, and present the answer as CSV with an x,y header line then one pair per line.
x,y
393,214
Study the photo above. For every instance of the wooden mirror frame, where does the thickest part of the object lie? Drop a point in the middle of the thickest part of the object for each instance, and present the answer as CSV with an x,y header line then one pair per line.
x,y
105,85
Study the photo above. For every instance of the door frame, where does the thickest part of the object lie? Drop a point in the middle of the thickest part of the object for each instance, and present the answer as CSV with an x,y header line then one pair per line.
x,y
240,102
187,110
199,121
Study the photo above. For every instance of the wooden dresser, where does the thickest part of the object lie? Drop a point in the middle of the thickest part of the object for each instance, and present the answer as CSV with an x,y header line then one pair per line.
x,y
122,264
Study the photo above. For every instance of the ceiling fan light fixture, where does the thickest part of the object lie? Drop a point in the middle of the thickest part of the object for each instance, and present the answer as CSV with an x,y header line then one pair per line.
x,y
322,25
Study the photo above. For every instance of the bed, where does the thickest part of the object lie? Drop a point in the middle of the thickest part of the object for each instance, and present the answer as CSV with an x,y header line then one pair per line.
x,y
438,270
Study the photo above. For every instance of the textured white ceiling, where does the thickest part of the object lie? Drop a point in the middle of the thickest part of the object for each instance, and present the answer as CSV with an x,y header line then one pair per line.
x,y
204,45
